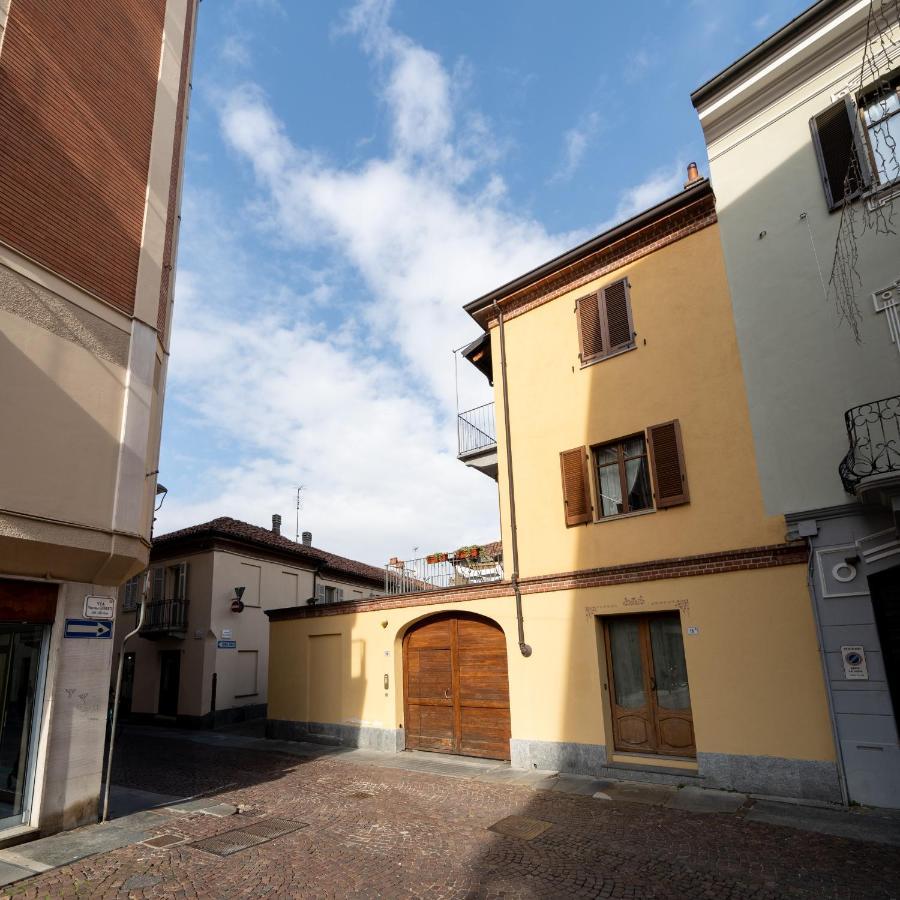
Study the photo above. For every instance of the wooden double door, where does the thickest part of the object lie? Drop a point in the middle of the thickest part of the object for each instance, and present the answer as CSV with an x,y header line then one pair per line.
x,y
456,686
648,684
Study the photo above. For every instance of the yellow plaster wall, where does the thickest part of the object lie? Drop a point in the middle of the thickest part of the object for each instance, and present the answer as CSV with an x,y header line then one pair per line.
x,y
754,671
686,366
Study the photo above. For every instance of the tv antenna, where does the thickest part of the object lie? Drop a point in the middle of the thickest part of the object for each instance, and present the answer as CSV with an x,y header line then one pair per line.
x,y
297,532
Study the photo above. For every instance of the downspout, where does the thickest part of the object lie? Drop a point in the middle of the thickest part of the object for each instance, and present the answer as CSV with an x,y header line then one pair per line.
x,y
514,577
115,709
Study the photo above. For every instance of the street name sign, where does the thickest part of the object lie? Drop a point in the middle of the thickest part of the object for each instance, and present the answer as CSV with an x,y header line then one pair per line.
x,y
99,607
227,645
88,628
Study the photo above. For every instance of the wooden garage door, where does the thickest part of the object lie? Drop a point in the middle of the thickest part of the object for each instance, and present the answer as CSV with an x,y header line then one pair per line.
x,y
456,687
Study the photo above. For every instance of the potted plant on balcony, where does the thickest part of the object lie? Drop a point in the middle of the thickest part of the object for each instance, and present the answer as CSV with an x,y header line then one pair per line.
x,y
470,552
433,558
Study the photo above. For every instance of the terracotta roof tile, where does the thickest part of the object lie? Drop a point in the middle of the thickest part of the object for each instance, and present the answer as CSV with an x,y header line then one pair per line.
x,y
235,529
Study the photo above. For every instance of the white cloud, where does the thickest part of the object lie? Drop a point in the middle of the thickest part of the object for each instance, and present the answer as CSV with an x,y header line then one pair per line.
x,y
235,51
575,144
347,387
655,187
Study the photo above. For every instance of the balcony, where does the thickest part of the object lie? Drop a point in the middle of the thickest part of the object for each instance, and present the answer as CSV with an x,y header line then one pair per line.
x,y
871,468
165,619
477,434
472,565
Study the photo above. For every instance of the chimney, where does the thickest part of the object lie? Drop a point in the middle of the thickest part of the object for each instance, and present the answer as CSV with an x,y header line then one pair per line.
x,y
693,174
307,539
276,524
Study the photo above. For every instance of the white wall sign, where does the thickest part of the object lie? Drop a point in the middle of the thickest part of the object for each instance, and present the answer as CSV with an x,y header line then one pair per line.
x,y
693,629
99,607
226,634
855,668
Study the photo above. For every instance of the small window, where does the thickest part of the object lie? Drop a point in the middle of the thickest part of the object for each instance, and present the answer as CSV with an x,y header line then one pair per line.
x,y
132,593
604,322
881,117
623,477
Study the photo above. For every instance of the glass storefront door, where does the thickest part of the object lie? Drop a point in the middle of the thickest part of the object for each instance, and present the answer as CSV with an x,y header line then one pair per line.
x,y
22,654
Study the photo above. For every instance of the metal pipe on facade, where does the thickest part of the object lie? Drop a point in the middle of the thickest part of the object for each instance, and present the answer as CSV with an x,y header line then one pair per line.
x,y
115,712
514,577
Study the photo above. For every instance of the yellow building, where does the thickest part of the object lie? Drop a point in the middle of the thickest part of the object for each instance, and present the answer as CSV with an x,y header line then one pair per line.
x,y
665,628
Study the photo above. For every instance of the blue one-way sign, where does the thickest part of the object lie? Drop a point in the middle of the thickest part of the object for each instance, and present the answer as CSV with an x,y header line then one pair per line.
x,y
88,628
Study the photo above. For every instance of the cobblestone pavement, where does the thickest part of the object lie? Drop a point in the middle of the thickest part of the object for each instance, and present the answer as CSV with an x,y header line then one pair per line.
x,y
371,831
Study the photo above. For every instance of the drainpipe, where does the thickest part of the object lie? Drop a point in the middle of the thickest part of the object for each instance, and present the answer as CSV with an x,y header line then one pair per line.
x,y
115,715
514,577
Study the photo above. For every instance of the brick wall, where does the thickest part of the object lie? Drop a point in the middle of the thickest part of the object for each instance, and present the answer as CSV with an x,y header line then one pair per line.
x,y
77,94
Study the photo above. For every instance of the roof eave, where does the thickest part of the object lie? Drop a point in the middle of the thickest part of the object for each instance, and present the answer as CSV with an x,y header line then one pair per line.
x,y
688,195
772,44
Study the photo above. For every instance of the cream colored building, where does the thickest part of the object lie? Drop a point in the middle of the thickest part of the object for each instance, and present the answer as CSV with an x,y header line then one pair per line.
x,y
92,143
202,656
653,622
802,134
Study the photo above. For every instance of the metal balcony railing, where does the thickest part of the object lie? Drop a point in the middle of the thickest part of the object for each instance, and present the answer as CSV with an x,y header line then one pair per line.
x,y
476,429
874,433
412,575
165,617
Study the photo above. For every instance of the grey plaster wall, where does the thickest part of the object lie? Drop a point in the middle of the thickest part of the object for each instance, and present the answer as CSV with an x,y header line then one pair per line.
x,y
390,740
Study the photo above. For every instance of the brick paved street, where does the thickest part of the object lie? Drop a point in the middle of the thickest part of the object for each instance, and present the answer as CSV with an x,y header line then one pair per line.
x,y
372,831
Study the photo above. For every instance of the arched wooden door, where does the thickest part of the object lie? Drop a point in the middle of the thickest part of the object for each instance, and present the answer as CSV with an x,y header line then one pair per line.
x,y
456,686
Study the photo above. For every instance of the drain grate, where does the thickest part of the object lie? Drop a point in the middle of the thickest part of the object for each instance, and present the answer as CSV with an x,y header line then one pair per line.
x,y
259,832
164,840
521,827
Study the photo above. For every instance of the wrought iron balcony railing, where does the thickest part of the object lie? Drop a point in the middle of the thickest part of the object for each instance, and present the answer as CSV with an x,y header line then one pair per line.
x,y
444,570
874,433
476,429
165,618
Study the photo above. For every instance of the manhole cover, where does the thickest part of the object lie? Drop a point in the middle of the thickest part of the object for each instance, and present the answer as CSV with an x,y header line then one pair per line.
x,y
164,840
520,827
249,836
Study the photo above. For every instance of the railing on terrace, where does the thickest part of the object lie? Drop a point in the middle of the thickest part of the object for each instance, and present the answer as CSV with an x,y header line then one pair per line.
x,y
476,429
874,433
165,617
413,575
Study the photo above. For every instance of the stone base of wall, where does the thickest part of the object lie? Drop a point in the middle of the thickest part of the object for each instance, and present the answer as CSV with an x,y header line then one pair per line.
x,y
389,740
801,779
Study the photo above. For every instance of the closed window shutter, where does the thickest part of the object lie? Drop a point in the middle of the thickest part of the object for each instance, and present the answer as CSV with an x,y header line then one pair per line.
x,y
840,151
618,315
320,593
159,585
181,582
576,486
667,462
340,595
590,328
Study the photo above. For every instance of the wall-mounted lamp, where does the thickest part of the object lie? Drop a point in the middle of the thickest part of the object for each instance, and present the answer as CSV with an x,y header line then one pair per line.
x,y
384,624
237,604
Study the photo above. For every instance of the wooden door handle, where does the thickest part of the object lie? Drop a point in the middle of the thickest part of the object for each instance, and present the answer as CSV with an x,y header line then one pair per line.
x,y
446,693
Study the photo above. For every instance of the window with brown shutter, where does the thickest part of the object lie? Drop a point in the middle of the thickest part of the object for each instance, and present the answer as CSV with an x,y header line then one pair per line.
x,y
604,322
576,486
840,151
667,463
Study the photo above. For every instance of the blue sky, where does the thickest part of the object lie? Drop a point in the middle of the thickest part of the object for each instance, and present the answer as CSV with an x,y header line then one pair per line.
x,y
354,175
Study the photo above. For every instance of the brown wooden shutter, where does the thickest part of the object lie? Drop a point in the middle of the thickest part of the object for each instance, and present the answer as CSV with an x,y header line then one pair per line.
x,y
590,327
840,151
576,486
667,463
618,314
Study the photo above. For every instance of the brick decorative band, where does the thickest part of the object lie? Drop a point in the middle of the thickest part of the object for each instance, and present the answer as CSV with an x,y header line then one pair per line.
x,y
791,554
653,237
